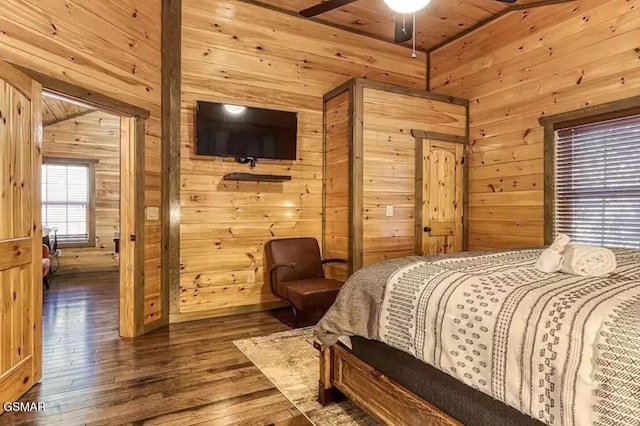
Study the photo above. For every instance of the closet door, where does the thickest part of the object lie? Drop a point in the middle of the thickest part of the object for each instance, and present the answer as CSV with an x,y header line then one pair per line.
x,y
441,198
20,233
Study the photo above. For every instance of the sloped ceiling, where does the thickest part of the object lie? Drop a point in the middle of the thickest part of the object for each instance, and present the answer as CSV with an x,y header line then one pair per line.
x,y
56,110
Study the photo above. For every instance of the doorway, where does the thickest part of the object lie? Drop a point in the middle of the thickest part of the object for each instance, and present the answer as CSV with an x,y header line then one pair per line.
x,y
21,236
126,137
80,193
80,175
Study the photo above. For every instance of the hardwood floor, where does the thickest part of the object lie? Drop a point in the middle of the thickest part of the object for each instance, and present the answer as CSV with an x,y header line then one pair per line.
x,y
187,373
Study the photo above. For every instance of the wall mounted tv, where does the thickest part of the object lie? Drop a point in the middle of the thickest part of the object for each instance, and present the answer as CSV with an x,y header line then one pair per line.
x,y
245,133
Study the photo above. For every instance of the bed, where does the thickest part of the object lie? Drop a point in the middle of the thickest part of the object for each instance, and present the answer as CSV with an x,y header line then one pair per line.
x,y
486,339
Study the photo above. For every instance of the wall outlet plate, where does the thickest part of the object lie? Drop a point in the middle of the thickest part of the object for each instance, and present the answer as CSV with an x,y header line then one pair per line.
x,y
251,276
389,211
153,213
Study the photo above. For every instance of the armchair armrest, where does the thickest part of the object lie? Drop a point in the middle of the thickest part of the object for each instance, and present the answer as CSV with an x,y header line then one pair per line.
x,y
332,260
272,274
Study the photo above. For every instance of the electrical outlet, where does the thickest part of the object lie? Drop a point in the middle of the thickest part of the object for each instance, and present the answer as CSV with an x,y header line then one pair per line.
x,y
153,213
58,253
251,276
389,211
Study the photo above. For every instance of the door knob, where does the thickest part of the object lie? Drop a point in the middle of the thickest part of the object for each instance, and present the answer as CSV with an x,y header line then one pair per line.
x,y
427,229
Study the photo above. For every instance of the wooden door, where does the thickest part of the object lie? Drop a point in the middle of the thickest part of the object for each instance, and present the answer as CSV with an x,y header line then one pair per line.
x,y
440,230
131,303
20,233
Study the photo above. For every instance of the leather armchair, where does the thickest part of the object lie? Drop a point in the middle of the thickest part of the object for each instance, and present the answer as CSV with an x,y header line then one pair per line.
x,y
296,276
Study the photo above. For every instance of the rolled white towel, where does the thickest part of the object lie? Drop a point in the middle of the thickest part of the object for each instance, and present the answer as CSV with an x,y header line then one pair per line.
x,y
588,261
551,259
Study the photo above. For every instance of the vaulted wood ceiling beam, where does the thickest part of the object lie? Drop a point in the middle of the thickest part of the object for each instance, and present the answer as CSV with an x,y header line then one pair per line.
x,y
324,22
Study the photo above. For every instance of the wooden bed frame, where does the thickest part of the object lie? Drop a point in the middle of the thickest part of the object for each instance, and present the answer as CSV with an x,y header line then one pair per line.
x,y
342,374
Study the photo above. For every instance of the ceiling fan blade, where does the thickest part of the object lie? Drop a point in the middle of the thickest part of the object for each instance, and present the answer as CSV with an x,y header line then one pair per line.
x,y
508,1
323,7
403,31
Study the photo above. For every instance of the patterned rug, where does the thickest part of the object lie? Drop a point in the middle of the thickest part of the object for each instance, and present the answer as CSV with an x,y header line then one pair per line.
x,y
291,363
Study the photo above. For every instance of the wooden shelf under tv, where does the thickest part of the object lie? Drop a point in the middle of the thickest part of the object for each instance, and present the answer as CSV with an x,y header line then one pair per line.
x,y
251,177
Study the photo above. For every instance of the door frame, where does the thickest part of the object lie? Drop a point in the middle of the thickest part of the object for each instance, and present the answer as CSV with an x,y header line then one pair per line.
x,y
421,136
133,122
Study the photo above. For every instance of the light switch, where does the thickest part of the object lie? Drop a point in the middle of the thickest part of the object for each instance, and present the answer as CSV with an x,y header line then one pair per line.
x,y
251,276
153,213
389,211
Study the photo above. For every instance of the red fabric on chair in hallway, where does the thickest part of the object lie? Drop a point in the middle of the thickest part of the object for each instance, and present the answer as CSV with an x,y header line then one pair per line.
x,y
46,265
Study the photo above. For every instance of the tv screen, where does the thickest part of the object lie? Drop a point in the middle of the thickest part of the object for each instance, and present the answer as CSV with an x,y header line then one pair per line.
x,y
237,131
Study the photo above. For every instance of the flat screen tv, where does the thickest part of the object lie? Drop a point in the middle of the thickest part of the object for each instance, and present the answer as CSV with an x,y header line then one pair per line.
x,y
245,133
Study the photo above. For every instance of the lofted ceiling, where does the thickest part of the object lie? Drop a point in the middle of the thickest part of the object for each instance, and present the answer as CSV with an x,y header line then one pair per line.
x,y
439,21
56,110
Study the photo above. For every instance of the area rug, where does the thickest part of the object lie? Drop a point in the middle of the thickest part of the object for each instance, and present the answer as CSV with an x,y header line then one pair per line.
x,y
291,363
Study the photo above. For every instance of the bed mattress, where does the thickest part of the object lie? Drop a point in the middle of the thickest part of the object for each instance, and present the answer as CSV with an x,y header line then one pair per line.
x,y
562,349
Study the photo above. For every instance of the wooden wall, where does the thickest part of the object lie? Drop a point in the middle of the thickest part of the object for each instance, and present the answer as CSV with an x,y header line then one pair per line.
x,y
527,64
238,53
337,171
112,47
370,167
389,164
95,136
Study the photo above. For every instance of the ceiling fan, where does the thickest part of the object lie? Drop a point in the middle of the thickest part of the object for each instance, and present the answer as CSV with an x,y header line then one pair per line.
x,y
404,29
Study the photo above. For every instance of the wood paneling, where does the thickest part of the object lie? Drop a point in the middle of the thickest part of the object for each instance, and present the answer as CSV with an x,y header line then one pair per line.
x,y
337,169
95,136
439,21
566,57
389,157
110,47
245,54
370,184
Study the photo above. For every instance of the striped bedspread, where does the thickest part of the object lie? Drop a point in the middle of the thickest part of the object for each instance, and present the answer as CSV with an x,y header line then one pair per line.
x,y
561,348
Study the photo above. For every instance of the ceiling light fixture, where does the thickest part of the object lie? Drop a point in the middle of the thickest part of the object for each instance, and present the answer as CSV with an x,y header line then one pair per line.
x,y
406,6
234,109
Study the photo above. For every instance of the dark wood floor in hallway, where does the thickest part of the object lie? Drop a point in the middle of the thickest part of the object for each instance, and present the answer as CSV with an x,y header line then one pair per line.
x,y
187,373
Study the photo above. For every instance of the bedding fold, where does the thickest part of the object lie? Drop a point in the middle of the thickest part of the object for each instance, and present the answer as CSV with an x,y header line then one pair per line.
x,y
588,261
551,259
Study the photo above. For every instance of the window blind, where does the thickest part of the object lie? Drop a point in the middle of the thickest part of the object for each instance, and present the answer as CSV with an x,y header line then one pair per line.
x,y
597,183
65,201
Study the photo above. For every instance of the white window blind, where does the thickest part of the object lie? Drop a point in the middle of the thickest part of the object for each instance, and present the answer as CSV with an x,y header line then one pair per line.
x,y
65,201
597,183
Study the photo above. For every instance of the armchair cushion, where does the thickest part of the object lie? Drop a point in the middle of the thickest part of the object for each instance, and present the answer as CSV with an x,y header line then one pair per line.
x,y
311,293
303,252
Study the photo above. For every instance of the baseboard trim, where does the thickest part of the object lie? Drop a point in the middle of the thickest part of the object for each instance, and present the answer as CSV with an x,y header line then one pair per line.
x,y
223,312
62,271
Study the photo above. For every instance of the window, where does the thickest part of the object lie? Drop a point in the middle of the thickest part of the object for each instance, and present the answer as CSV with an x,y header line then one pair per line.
x,y
597,182
68,200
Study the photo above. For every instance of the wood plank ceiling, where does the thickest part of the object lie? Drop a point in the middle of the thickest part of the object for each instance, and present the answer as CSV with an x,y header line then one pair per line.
x,y
56,110
439,21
